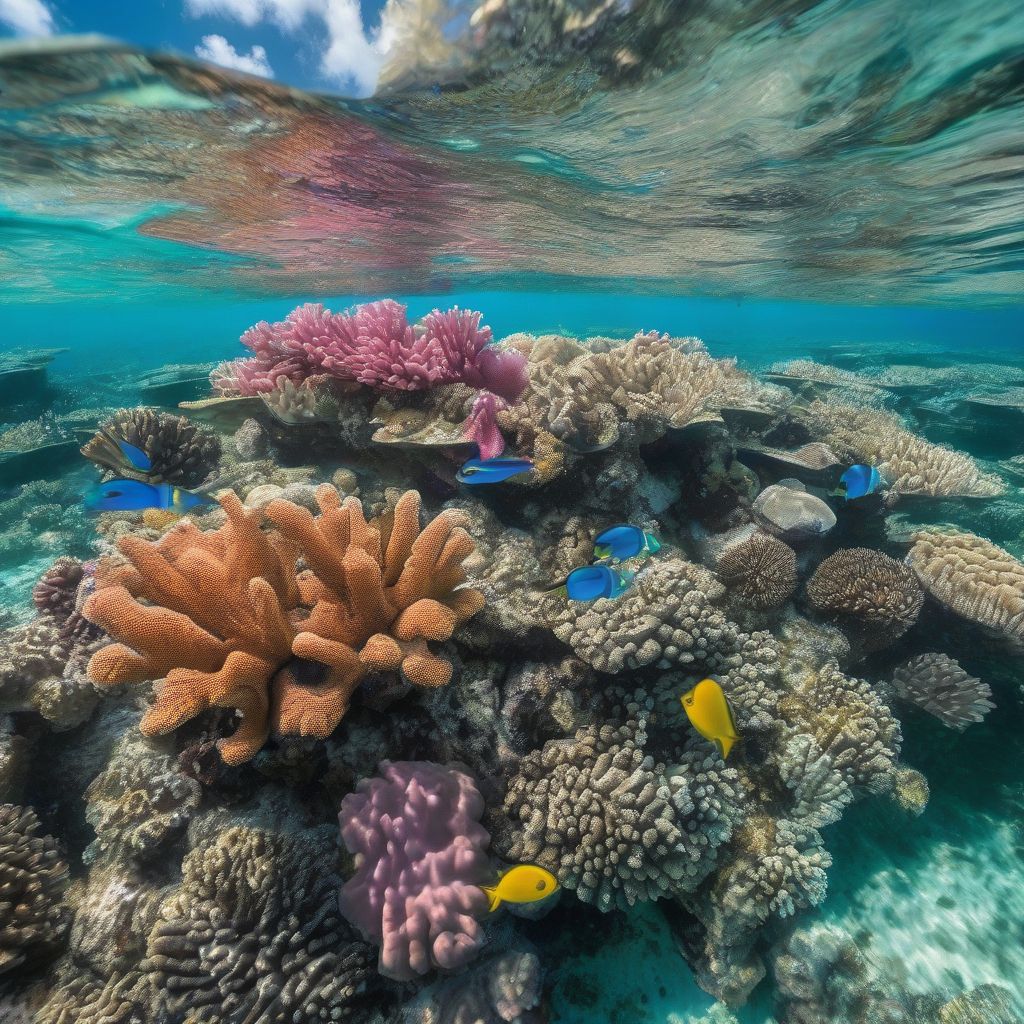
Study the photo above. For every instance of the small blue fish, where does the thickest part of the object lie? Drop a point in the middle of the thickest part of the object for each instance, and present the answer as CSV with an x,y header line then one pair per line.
x,y
491,471
590,582
136,457
859,481
625,541
135,495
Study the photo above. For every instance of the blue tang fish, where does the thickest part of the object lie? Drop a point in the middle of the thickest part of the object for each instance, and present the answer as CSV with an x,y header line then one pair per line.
x,y
135,496
625,541
859,481
590,582
136,457
491,471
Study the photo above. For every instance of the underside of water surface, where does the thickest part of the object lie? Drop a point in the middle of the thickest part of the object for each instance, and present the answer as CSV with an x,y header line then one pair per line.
x,y
541,545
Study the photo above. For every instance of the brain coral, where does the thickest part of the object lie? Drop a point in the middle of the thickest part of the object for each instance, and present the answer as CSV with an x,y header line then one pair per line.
x,y
220,615
33,917
253,934
938,685
182,452
614,824
875,598
420,857
974,578
761,571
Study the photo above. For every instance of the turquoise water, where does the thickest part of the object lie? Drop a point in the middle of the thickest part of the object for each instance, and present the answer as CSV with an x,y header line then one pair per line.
x,y
832,183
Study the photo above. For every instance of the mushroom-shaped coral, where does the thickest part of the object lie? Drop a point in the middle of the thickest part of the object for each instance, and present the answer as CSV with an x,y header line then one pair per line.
x,y
974,578
615,825
788,510
871,596
253,934
224,613
181,452
761,571
937,684
420,859
33,918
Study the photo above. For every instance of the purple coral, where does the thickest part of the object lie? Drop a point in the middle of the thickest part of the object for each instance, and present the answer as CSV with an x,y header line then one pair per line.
x,y
374,344
420,856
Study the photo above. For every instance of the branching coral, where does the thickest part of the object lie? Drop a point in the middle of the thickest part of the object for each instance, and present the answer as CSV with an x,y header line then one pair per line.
x,y
849,722
254,935
33,918
974,578
909,464
760,571
420,857
870,595
820,793
224,613
938,685
614,824
181,452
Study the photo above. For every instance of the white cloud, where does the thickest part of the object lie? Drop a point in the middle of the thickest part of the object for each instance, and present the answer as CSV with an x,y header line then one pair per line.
x,y
350,53
27,17
217,50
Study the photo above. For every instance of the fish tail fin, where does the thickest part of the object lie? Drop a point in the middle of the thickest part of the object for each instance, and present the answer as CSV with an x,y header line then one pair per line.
x,y
493,899
725,744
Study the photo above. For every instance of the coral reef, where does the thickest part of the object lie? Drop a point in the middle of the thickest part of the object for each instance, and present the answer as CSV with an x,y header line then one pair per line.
x,y
759,571
181,452
937,684
33,917
615,825
420,857
218,623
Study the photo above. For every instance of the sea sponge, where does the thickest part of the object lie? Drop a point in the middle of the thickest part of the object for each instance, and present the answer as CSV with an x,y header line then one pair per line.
x,y
937,684
253,934
420,859
909,464
871,596
974,578
182,452
228,623
33,916
615,825
760,571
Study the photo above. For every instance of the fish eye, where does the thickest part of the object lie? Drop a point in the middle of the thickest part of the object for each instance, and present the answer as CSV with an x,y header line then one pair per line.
x,y
689,700
540,886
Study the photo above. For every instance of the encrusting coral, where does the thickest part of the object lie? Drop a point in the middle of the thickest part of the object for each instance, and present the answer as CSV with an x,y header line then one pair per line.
x,y
974,578
225,613
871,596
937,684
420,859
33,917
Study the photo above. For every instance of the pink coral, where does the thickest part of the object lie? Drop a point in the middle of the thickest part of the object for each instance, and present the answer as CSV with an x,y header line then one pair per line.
x,y
482,425
420,856
375,345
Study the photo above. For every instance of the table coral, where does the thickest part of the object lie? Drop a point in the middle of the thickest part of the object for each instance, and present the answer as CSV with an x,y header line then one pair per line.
x,y
420,857
974,578
228,624
615,825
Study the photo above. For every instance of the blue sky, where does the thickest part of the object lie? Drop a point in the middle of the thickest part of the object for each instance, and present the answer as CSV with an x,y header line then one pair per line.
x,y
334,45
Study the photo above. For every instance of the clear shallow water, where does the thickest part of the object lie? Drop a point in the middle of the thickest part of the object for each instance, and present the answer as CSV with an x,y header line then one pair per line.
x,y
830,181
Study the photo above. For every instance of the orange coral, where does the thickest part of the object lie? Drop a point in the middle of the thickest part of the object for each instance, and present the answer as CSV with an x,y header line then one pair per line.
x,y
224,613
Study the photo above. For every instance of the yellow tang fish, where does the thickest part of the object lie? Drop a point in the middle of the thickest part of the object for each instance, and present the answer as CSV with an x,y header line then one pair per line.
x,y
709,713
525,883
